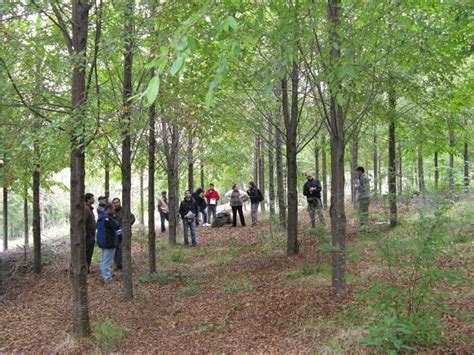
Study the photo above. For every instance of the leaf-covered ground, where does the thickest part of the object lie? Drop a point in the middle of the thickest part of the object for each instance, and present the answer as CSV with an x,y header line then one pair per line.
x,y
236,292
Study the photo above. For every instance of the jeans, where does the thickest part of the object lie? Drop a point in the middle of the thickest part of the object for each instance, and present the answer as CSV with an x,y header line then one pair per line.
x,y
164,216
314,207
106,264
90,243
189,224
118,255
238,209
254,212
363,211
211,211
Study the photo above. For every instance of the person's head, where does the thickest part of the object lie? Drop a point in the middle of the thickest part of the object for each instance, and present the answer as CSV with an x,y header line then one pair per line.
x,y
252,184
235,187
89,198
187,194
359,171
102,200
308,175
211,186
199,191
117,203
109,208
163,193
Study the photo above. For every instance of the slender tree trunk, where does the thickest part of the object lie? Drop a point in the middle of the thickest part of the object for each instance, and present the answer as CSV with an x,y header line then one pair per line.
x,y
255,160
280,181
26,219
107,180
337,211
376,170
451,161
78,266
142,199
291,122
190,164
5,218
324,171
392,173
36,213
261,171
271,171
202,175
127,152
436,172
354,159
151,186
400,170
316,160
172,154
466,164
421,173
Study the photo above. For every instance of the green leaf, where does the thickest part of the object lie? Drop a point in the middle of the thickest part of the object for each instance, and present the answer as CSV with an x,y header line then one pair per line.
x,y
340,99
177,65
182,44
192,44
153,89
231,22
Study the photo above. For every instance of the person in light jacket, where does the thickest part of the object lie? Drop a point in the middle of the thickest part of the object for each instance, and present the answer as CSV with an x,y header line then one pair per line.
x,y
363,196
236,203
164,211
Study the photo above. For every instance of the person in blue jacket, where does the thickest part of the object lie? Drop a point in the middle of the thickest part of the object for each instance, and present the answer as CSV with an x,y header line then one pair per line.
x,y
108,232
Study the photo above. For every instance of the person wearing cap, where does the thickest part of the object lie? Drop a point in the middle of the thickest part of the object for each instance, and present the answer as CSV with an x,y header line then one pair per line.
x,y
101,207
312,191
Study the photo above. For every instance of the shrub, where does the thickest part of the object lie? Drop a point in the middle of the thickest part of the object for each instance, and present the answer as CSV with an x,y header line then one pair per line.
x,y
191,290
108,334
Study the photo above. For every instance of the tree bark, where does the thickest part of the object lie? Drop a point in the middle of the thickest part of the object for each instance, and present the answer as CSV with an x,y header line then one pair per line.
x,y
421,173
271,171
151,186
451,161
324,171
316,160
261,171
466,164
202,175
354,159
5,218
127,152
37,213
337,211
190,164
400,170
255,161
392,173
26,219
280,181
436,172
78,266
376,158
107,180
142,199
291,124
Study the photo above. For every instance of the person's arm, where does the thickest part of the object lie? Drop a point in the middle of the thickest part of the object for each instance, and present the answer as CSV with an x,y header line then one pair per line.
x,y
181,209
306,189
207,194
196,208
318,186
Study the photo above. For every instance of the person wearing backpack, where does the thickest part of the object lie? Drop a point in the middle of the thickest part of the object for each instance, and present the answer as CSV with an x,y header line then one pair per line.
x,y
256,197
312,191
189,210
108,232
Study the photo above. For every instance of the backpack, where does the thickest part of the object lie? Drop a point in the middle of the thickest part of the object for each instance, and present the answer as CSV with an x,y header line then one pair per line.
x,y
260,196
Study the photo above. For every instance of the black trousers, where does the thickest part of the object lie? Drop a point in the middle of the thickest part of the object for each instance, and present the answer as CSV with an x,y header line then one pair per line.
x,y
118,255
90,243
238,209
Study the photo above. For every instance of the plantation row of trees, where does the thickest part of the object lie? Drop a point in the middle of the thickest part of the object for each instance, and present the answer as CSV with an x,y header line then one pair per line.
x,y
231,90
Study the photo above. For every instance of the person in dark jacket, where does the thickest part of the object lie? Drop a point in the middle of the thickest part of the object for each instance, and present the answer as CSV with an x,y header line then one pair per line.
x,y
107,239
189,209
118,215
363,196
90,228
256,197
202,204
312,191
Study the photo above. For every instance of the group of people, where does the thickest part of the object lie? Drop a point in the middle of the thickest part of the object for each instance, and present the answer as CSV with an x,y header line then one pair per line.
x,y
107,231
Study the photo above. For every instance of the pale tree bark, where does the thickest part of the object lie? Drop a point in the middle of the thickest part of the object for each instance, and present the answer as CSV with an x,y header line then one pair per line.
x,y
37,212
421,172
151,185
271,171
392,173
261,170
400,169
142,199
280,178
376,168
354,164
26,219
451,161
466,161
255,161
190,164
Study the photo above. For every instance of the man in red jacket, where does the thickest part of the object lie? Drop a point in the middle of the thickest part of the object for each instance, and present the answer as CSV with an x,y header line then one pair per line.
x,y
212,197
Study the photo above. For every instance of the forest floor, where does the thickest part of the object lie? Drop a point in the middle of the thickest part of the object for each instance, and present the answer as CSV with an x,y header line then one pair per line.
x,y
236,292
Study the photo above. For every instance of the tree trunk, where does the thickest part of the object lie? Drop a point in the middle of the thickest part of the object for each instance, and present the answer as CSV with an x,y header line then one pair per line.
x,y
107,180
142,199
451,161
127,152
37,213
190,164
421,173
291,124
376,159
151,186
354,158
78,267
271,169
466,164
337,211
324,171
316,160
261,171
280,181
436,173
5,218
255,160
392,173
400,170
202,175
26,219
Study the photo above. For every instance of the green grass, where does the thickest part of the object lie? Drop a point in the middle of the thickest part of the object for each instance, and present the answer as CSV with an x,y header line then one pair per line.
x,y
237,284
108,334
163,278
236,305
191,289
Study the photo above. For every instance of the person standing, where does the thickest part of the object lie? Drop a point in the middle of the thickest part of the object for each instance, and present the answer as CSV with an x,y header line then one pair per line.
x,y
189,209
213,198
107,239
202,204
256,197
90,228
236,203
164,211
363,196
101,207
312,191
118,216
